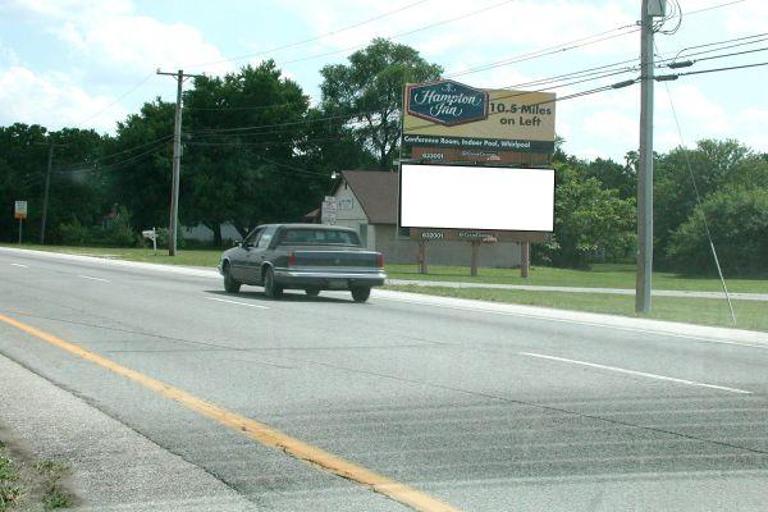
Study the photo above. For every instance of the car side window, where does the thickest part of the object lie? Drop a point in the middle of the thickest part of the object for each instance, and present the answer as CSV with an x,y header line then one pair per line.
x,y
266,237
253,238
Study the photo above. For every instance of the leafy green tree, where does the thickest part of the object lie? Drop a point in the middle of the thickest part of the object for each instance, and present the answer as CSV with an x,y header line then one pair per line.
x,y
715,165
591,222
74,190
137,164
244,162
367,93
738,222
613,176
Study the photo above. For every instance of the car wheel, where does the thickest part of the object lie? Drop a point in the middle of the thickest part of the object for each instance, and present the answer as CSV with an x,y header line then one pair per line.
x,y
271,289
231,285
361,294
312,292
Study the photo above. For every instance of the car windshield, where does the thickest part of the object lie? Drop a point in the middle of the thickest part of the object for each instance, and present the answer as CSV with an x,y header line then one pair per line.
x,y
309,236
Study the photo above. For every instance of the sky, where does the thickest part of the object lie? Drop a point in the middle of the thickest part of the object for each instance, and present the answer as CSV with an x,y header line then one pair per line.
x,y
90,63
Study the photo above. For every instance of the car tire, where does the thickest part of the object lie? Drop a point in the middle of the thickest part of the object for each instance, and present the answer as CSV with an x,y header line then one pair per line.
x,y
312,292
231,285
361,294
271,289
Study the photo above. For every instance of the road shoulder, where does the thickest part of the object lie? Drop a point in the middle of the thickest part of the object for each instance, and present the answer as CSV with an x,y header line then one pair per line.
x,y
113,468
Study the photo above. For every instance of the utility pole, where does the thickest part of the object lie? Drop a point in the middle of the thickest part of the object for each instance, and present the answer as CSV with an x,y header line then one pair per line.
x,y
173,226
47,190
650,10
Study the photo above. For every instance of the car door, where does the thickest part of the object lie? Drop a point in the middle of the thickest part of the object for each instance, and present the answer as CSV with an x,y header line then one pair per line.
x,y
257,254
240,260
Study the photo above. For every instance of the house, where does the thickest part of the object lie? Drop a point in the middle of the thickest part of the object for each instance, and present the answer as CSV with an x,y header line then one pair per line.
x,y
367,202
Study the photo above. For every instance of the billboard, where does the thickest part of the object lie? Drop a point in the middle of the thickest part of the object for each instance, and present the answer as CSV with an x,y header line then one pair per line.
x,y
448,114
477,198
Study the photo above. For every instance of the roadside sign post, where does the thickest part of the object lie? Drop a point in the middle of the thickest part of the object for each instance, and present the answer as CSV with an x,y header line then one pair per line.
x,y
20,213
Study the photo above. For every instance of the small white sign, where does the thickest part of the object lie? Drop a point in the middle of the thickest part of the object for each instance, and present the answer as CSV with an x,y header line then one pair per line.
x,y
20,210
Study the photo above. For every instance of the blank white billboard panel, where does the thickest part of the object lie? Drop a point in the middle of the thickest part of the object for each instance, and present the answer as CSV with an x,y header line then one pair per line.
x,y
486,198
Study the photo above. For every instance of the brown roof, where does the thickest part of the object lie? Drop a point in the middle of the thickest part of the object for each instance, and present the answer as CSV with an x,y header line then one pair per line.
x,y
377,193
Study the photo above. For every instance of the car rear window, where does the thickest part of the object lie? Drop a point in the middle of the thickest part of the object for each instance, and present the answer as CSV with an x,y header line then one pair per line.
x,y
309,236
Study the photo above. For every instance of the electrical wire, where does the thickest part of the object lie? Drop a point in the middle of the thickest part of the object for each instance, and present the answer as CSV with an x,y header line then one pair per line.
x,y
699,202
551,50
94,166
745,40
116,101
687,63
399,35
311,39
675,76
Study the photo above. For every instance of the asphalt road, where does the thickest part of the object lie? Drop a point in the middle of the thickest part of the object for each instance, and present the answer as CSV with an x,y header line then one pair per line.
x,y
477,409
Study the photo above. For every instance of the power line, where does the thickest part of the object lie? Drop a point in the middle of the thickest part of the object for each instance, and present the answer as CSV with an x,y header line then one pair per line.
x,y
700,202
744,39
551,50
128,150
119,98
401,34
675,76
311,39
95,167
687,63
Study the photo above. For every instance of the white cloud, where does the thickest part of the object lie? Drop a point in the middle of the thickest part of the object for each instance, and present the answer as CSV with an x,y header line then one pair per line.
x,y
611,125
48,100
111,33
747,18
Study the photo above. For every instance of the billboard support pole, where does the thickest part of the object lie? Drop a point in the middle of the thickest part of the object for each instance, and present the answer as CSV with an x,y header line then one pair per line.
x,y
525,259
21,221
473,264
422,257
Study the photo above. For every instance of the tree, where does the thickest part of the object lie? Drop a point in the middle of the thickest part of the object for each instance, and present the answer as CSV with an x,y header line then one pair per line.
x,y
137,165
243,162
591,222
74,190
367,94
715,166
738,222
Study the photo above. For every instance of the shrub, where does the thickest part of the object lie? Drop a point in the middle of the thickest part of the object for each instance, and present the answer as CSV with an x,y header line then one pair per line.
x,y
738,222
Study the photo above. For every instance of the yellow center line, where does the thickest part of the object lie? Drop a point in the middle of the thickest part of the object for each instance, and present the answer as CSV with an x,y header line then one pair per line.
x,y
253,429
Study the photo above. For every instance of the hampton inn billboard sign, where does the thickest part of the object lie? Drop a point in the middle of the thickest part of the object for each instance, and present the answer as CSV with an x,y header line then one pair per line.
x,y
447,114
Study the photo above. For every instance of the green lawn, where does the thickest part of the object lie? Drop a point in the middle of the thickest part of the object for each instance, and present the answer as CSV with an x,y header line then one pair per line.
x,y
192,257
602,275
751,315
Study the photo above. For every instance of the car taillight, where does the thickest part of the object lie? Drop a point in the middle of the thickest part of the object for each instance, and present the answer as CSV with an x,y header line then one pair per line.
x,y
292,259
380,260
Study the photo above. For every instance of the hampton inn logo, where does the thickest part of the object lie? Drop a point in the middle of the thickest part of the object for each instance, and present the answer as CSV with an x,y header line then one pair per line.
x,y
447,102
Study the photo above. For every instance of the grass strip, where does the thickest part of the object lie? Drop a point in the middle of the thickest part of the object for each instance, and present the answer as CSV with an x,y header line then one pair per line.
x,y
606,275
750,315
28,485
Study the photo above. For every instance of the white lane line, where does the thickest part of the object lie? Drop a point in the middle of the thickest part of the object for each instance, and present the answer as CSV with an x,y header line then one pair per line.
x,y
82,276
257,306
19,265
634,372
